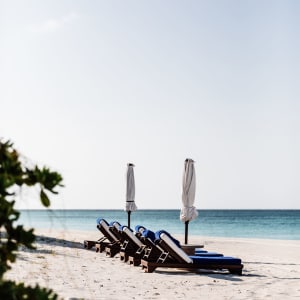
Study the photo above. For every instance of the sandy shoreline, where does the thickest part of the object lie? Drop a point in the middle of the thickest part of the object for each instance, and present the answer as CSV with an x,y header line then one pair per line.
x,y
271,269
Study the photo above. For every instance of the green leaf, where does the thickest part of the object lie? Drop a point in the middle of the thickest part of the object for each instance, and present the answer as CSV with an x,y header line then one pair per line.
x,y
44,198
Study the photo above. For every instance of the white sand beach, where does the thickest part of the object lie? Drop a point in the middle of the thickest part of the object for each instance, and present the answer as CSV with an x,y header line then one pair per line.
x,y
271,271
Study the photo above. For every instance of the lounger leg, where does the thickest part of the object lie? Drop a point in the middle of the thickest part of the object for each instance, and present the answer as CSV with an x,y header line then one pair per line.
x,y
88,244
114,251
136,263
235,271
148,269
122,256
102,247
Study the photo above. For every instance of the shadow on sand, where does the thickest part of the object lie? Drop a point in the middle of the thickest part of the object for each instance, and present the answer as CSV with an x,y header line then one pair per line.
x,y
49,241
57,242
220,275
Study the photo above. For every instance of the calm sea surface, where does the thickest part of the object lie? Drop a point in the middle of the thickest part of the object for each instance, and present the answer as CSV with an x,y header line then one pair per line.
x,y
271,224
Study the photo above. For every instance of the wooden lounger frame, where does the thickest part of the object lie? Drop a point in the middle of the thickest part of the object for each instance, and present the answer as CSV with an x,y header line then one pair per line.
x,y
165,261
110,240
149,266
88,244
112,249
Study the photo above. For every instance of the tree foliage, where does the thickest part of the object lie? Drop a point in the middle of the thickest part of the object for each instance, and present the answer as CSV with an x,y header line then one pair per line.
x,y
13,175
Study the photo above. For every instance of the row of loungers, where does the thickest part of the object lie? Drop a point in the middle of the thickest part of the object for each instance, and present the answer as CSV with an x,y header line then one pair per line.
x,y
156,250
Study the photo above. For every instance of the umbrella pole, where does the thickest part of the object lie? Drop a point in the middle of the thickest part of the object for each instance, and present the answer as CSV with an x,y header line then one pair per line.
x,y
129,212
186,232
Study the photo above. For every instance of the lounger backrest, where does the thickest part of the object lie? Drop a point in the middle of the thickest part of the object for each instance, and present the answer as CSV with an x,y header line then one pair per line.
x,y
178,251
158,233
115,228
131,235
105,226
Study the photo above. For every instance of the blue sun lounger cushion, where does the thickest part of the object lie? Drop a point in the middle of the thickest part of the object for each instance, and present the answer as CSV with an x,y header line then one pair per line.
x,y
149,234
201,252
208,254
139,229
219,260
98,220
115,224
122,227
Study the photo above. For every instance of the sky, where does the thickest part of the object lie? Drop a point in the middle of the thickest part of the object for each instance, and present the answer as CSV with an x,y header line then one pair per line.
x,y
89,86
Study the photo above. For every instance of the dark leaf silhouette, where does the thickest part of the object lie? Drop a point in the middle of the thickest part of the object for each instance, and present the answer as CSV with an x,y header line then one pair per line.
x,y
13,174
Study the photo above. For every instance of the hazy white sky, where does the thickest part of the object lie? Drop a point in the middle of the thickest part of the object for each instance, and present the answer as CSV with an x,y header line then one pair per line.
x,y
88,86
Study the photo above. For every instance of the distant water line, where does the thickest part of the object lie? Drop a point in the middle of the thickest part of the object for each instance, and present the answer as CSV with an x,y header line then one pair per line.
x,y
270,224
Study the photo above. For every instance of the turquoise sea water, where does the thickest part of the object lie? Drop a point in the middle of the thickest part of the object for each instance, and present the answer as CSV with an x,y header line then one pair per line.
x,y
271,224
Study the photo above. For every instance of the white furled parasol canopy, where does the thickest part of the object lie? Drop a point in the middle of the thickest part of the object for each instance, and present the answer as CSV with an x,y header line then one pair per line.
x,y
188,211
130,191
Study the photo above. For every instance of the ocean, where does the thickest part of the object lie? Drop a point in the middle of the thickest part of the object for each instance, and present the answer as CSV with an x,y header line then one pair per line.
x,y
270,224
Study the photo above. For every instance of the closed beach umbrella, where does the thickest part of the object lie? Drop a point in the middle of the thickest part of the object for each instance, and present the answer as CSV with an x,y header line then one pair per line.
x,y
188,211
130,191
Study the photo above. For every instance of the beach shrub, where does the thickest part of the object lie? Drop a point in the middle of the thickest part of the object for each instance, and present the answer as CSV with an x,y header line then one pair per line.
x,y
16,173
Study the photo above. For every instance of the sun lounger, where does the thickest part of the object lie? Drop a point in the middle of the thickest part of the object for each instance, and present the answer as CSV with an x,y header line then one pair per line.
x,y
113,248
103,226
152,250
139,229
114,227
112,241
181,260
107,238
131,246
135,258
149,250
